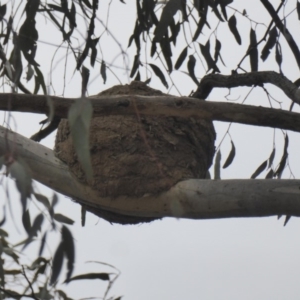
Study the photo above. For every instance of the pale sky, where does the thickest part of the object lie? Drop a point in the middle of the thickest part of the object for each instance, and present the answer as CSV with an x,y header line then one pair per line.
x,y
174,259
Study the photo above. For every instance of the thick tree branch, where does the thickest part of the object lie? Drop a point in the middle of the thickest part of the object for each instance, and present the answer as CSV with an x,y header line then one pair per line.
x,y
159,106
194,199
211,81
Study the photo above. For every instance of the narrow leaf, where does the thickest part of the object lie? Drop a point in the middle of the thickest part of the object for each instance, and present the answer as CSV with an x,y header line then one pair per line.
x,y
103,71
233,29
69,249
166,18
135,65
269,44
89,276
271,158
230,156
287,218
298,10
159,74
260,169
270,174
253,52
43,242
181,58
57,263
79,116
191,68
63,219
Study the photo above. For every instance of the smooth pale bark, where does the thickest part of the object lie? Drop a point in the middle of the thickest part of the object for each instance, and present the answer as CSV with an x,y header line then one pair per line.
x,y
194,199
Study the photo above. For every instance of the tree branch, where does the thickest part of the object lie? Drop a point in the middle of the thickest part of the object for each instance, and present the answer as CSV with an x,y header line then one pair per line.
x,y
159,106
211,81
193,199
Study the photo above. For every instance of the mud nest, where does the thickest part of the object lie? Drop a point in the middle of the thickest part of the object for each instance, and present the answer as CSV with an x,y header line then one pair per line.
x,y
138,155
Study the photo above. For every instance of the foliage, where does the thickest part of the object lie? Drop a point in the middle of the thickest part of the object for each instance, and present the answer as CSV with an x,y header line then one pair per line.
x,y
190,29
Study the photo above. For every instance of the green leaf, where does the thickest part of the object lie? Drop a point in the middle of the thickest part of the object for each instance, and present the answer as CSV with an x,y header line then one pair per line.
x,y
191,68
80,115
135,65
253,52
271,158
20,172
166,18
181,58
26,221
57,263
85,75
2,12
43,242
159,74
83,215
89,276
233,29
103,71
260,169
42,199
230,156
269,44
69,250
63,219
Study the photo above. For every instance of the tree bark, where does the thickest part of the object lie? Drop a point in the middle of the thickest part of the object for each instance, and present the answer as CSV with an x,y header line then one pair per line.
x,y
160,106
193,199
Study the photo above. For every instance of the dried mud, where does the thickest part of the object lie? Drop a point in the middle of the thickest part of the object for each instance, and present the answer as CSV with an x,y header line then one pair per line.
x,y
138,155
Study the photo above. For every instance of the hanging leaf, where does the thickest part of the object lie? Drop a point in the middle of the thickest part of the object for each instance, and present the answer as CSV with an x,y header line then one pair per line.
x,y
230,156
233,29
270,174
166,18
167,53
298,10
181,58
281,166
286,144
159,74
43,199
218,46
85,75
253,52
260,169
79,116
202,14
205,50
83,215
89,276
103,71
63,219
217,166
43,242
191,68
271,158
20,172
278,55
287,218
69,249
57,263
2,12
269,44
26,221
135,65
37,224
30,73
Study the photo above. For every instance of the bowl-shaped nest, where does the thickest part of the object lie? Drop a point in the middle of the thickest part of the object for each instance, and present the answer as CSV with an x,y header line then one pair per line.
x,y
135,155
